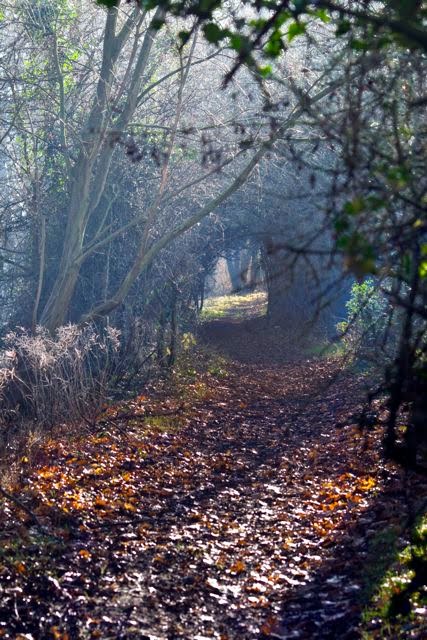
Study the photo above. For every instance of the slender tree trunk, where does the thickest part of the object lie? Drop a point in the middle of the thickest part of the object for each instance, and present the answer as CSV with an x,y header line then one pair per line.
x,y
233,268
173,329
90,173
41,270
160,348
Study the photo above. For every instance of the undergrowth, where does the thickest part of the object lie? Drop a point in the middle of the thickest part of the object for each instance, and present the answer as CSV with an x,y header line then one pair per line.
x,y
398,602
326,350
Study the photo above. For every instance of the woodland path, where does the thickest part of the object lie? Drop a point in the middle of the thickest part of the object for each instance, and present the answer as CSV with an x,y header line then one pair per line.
x,y
243,507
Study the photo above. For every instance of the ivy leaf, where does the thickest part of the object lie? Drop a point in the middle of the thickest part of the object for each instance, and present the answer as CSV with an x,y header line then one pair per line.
x,y
265,71
240,43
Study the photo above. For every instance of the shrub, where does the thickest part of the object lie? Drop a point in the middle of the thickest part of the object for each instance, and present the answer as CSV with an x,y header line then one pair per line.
x,y
364,333
56,379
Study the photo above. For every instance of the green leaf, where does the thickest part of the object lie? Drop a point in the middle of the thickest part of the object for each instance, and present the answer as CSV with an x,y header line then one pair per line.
x,y
237,42
283,17
341,224
343,242
274,46
295,29
323,15
157,24
355,206
213,33
343,27
108,3
265,71
184,36
398,177
257,24
359,45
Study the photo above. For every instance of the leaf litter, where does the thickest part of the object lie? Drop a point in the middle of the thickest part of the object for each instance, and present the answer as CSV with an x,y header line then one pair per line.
x,y
247,514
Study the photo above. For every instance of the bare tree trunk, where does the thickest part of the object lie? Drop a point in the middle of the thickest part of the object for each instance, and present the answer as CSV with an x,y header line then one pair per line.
x,y
40,279
233,268
173,329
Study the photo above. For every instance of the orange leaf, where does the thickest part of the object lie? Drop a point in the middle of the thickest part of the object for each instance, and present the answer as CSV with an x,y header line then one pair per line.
x,y
100,502
269,625
59,635
238,567
366,484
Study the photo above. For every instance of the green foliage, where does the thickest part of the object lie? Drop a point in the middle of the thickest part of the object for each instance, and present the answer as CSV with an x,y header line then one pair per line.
x,y
163,424
217,366
295,29
423,262
43,17
368,27
326,350
365,303
382,553
213,33
367,317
